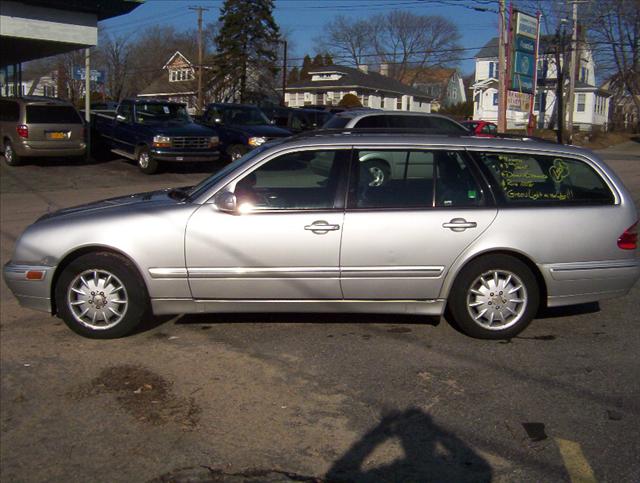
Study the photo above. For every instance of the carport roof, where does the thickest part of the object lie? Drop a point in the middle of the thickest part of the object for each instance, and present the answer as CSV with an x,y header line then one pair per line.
x,y
104,9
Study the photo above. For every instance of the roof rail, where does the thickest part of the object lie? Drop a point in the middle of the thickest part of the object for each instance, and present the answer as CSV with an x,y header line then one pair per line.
x,y
377,130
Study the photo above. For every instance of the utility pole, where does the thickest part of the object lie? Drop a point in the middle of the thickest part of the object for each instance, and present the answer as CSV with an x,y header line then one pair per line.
x,y
502,71
284,71
572,71
199,10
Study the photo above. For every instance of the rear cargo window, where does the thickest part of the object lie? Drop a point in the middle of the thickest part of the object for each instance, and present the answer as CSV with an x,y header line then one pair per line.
x,y
52,115
534,179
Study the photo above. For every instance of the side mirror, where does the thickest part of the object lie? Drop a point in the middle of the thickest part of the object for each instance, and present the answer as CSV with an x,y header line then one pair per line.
x,y
226,202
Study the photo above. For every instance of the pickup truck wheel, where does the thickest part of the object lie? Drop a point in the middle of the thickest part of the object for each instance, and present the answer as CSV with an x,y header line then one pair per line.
x,y
101,296
10,156
146,163
236,152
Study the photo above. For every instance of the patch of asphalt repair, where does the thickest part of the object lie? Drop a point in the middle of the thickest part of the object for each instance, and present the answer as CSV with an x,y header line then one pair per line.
x,y
144,394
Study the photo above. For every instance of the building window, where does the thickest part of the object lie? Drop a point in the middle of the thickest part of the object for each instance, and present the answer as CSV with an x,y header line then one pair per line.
x,y
399,104
581,102
495,98
493,70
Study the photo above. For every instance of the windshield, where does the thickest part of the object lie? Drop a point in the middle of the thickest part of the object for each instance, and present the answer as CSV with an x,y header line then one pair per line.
x,y
157,112
244,116
210,181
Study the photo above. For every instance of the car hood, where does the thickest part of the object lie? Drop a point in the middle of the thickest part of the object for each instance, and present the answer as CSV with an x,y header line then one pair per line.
x,y
168,196
263,131
180,129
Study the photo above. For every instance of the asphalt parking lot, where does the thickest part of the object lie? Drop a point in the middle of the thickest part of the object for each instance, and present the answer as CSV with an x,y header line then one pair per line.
x,y
308,397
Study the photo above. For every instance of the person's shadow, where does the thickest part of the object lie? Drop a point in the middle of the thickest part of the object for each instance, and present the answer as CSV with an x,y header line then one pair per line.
x,y
430,454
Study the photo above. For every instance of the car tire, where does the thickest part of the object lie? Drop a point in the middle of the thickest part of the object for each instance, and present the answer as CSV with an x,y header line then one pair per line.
x,y
10,156
146,163
376,172
236,152
101,296
494,297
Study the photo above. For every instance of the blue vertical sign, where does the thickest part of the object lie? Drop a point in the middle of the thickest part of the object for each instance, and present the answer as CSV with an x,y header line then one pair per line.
x,y
523,59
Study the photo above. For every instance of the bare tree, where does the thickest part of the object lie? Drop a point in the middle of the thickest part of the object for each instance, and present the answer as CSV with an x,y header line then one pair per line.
x,y
115,57
348,39
615,34
409,42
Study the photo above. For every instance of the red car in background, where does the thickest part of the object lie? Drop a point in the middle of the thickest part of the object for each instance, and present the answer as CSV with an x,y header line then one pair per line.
x,y
482,128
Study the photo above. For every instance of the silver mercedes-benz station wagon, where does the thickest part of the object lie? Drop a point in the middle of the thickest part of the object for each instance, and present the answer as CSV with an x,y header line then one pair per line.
x,y
490,229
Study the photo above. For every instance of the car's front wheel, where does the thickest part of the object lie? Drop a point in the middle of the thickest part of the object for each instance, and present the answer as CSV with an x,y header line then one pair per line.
x,y
146,163
494,297
10,156
375,172
101,296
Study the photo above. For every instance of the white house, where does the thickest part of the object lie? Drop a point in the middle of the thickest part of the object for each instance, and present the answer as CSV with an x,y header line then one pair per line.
x,y
176,84
591,104
445,85
328,85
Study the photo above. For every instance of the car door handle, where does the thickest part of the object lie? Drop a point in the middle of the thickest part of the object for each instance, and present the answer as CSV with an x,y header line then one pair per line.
x,y
459,224
321,227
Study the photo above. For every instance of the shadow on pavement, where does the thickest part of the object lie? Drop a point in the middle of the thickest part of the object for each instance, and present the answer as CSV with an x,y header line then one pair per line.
x,y
430,453
569,310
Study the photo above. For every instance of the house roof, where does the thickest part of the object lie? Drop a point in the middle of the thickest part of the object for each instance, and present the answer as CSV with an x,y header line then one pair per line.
x,y
162,86
490,49
177,54
354,78
435,75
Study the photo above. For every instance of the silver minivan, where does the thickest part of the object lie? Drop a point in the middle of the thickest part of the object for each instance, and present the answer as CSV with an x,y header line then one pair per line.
x,y
490,230
39,127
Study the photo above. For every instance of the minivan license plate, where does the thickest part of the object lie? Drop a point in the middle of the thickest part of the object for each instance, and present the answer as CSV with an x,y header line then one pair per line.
x,y
56,135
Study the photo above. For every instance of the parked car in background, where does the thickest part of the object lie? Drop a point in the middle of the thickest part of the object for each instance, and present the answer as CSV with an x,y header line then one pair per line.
x,y
152,131
491,229
40,127
481,128
241,127
296,119
381,167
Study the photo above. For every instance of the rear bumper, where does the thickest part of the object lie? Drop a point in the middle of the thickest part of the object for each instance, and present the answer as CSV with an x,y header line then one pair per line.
x,y
185,156
33,294
26,150
582,282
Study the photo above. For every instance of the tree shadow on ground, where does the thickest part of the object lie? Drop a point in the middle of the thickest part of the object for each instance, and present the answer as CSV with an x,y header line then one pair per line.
x,y
430,454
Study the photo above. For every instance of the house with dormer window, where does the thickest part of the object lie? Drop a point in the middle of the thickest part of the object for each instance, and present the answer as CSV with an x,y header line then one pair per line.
x,y
328,85
178,82
590,107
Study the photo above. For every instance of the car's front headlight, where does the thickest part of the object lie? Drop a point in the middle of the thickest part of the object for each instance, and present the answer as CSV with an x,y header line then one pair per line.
x,y
257,141
214,141
161,142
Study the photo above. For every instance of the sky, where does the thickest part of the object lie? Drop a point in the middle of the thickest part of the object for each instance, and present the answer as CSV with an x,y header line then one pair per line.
x,y
305,20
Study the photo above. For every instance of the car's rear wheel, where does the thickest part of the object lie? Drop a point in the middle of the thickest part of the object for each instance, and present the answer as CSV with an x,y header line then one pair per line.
x,y
146,163
375,172
494,297
10,156
101,296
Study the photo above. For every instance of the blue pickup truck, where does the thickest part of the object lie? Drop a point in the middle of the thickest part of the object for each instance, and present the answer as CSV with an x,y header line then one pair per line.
x,y
150,131
241,128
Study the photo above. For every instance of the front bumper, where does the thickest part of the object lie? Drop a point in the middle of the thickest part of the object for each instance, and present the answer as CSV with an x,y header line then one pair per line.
x,y
33,294
185,156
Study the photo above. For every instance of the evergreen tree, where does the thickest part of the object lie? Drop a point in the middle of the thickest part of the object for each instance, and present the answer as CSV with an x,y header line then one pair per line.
x,y
318,61
294,75
247,48
306,65
328,60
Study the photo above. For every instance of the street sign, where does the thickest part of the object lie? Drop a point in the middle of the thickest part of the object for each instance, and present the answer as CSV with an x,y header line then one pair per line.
x,y
522,83
96,75
525,44
517,101
526,25
523,64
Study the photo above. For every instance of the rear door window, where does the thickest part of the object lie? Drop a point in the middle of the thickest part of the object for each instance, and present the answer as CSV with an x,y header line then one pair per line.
x,y
373,122
412,179
52,115
524,179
